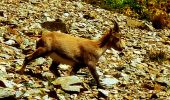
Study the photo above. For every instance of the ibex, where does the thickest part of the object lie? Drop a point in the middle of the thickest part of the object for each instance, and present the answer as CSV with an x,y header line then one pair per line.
x,y
75,51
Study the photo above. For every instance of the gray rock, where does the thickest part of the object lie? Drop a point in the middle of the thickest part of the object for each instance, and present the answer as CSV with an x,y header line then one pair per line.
x,y
63,67
66,14
164,80
149,26
3,72
35,25
50,19
125,76
134,23
10,42
110,81
40,61
104,92
61,97
6,92
18,93
6,56
68,83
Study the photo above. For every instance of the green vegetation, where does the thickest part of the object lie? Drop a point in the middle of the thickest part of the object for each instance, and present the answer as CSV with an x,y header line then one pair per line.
x,y
156,11
123,3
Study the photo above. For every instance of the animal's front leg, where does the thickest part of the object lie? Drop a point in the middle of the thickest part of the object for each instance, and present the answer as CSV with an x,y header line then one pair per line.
x,y
54,68
38,53
92,69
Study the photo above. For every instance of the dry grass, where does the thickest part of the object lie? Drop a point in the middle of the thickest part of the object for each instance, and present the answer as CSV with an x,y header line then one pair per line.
x,y
157,55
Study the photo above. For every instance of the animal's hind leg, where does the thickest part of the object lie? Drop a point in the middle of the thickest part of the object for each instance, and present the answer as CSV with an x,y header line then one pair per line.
x,y
75,69
38,53
54,68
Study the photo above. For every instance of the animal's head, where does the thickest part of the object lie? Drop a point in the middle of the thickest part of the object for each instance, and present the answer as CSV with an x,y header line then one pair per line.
x,y
116,40
117,43
112,39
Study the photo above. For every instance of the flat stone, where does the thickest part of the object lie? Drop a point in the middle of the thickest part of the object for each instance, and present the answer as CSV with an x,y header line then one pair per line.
x,y
134,23
6,92
149,26
110,81
104,92
10,42
67,83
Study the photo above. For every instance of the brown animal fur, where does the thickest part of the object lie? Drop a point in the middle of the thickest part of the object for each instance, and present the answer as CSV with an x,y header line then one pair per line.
x,y
74,51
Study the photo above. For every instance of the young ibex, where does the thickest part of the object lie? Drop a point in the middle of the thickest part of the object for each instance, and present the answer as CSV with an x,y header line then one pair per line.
x,y
75,51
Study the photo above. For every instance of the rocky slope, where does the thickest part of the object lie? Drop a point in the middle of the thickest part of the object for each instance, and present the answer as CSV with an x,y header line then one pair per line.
x,y
141,71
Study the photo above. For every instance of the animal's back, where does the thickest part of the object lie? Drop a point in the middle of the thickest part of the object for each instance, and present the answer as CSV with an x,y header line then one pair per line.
x,y
67,48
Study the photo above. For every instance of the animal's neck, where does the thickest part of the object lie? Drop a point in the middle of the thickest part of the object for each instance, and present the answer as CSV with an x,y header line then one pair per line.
x,y
105,43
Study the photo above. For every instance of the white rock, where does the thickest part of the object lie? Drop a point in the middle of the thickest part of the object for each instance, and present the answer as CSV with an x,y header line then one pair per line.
x,y
137,52
35,25
46,97
18,93
125,76
38,97
98,71
79,5
113,58
46,14
153,76
30,82
50,19
102,59
2,70
9,84
26,94
6,92
39,61
47,75
19,61
67,83
149,26
97,36
1,39
110,81
113,65
82,25
81,15
5,56
135,61
73,96
109,51
61,97
143,51
104,92
66,14
3,74
10,42
63,67
163,80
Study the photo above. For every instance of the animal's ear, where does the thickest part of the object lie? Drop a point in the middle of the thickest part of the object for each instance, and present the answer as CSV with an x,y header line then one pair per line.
x,y
115,30
116,27
110,31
